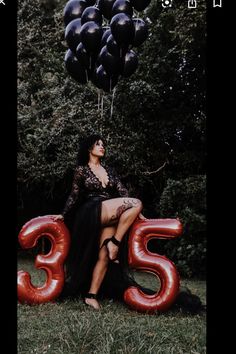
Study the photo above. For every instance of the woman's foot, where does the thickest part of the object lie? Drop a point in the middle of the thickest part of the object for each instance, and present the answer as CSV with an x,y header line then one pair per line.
x,y
90,299
112,251
93,303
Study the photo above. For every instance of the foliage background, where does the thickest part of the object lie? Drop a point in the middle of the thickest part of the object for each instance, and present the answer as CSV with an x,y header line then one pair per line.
x,y
158,119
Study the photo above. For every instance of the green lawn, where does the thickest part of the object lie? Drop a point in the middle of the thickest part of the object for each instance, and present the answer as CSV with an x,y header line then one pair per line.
x,y
72,327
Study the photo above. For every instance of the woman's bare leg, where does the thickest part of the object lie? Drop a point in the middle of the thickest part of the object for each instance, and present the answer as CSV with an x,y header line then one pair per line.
x,y
121,210
100,267
118,214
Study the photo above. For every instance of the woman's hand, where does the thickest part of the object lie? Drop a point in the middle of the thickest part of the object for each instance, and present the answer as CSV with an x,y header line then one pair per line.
x,y
141,216
58,217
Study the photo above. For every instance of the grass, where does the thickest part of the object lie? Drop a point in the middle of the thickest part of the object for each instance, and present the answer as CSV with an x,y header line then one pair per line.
x,y
72,327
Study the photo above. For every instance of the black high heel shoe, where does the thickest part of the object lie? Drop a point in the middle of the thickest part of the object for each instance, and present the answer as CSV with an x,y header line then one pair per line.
x,y
90,296
116,242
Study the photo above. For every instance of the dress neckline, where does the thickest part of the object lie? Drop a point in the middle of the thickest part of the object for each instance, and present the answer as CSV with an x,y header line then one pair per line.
x,y
107,172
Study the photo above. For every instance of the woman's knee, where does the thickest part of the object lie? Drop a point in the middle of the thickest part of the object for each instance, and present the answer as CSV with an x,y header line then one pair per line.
x,y
138,205
135,207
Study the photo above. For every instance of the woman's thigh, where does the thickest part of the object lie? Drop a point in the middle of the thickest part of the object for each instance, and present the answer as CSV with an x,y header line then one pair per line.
x,y
113,208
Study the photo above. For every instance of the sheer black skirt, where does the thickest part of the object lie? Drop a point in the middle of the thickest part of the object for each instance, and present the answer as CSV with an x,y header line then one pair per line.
x,y
85,229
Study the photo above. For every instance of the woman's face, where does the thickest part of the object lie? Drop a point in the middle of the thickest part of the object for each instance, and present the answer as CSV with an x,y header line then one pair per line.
x,y
98,149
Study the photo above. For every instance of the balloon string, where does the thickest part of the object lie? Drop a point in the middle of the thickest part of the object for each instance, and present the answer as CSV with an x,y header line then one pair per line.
x,y
98,100
102,108
112,101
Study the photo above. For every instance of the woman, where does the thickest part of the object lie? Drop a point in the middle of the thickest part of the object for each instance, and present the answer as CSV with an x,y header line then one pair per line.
x,y
99,213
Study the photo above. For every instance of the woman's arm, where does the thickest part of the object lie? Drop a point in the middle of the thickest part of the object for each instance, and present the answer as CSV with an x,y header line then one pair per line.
x,y
74,191
121,189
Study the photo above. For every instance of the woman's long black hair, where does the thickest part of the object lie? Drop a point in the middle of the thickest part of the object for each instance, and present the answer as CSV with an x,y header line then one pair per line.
x,y
84,146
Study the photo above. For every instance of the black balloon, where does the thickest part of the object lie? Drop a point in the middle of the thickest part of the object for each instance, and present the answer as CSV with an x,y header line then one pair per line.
x,y
111,63
122,29
74,68
105,36
92,13
94,79
140,5
141,32
130,63
103,80
91,35
98,62
72,34
114,48
83,57
122,6
90,2
73,9
106,6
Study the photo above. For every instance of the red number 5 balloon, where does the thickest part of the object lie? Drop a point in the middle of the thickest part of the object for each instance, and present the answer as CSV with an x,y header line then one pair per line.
x,y
142,259
52,262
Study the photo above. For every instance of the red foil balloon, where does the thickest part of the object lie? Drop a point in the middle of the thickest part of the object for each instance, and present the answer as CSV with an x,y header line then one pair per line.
x,y
140,258
52,263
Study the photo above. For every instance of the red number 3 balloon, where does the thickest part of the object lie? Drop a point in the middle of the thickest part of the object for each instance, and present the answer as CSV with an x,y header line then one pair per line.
x,y
52,262
142,259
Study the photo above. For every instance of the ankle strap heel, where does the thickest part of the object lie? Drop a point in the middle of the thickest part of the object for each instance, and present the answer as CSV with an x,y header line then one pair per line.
x,y
115,241
91,296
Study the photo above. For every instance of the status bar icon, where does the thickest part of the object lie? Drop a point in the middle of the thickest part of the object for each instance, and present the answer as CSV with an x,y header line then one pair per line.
x,y
217,3
166,3
192,4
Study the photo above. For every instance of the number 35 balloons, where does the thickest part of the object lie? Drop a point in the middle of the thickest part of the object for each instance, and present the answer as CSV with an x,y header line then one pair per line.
x,y
139,257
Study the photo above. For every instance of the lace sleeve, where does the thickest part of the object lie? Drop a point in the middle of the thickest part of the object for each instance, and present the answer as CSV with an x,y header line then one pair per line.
x,y
74,190
121,189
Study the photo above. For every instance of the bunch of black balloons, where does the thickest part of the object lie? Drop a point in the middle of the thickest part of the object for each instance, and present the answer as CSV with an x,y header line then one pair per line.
x,y
101,35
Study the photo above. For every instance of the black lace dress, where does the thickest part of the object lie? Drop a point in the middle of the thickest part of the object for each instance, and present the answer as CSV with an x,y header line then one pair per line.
x,y
82,215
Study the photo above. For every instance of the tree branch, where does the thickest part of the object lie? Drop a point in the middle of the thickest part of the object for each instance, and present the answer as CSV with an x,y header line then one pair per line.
x,y
156,171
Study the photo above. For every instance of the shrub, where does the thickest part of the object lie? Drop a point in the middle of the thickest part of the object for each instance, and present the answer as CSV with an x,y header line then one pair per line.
x,y
186,199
